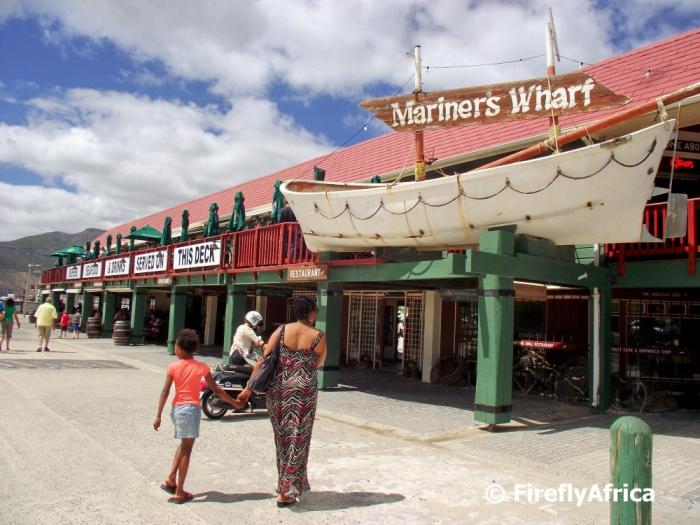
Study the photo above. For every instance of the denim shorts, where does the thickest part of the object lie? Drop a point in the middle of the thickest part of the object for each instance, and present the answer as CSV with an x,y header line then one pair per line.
x,y
186,420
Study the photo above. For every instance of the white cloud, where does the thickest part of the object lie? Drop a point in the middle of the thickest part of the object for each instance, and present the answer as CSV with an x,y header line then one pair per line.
x,y
124,156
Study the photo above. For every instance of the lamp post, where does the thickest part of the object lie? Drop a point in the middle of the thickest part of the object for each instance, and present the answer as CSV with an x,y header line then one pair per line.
x,y
26,287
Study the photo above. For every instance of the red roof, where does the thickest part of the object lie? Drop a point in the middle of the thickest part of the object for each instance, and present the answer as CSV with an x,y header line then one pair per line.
x,y
641,75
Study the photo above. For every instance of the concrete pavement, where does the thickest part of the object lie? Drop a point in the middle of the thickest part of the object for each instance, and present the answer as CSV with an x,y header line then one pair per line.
x,y
76,446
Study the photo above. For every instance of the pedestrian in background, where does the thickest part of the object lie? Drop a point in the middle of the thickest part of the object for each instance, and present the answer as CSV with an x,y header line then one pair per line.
x,y
292,395
45,315
187,374
64,321
11,316
75,323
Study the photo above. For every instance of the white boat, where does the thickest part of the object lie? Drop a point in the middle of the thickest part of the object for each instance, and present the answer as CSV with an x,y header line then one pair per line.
x,y
594,194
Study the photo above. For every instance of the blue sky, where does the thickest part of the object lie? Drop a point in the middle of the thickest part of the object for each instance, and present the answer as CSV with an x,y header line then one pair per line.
x,y
110,110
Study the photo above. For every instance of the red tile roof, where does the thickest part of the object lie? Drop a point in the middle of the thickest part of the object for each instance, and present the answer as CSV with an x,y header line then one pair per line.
x,y
641,74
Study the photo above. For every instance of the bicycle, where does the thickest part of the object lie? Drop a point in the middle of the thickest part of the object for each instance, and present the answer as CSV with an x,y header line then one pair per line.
x,y
630,394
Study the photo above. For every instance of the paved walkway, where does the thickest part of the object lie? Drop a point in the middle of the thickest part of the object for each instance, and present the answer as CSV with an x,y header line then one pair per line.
x,y
76,447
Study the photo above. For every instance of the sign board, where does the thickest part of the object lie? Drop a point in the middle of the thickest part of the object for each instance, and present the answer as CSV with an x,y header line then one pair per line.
x,y
92,270
118,266
151,262
164,281
73,272
73,290
535,98
308,273
545,345
197,255
688,146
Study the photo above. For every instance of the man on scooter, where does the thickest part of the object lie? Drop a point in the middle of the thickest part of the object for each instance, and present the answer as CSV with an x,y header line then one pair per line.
x,y
246,346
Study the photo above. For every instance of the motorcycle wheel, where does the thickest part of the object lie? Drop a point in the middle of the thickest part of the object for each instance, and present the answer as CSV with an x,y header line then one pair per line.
x,y
212,412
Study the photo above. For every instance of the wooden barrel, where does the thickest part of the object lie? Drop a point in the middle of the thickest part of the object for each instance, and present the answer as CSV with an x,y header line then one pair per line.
x,y
122,333
94,327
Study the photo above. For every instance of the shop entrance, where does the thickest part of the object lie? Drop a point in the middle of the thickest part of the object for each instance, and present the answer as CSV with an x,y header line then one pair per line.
x,y
385,330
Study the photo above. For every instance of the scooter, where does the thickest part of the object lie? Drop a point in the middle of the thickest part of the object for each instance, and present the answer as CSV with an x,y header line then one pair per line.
x,y
232,378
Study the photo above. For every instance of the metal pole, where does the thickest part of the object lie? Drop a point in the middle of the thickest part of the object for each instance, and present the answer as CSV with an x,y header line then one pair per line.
x,y
420,154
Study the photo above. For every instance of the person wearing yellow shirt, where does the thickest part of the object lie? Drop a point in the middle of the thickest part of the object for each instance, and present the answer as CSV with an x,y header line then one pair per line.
x,y
45,315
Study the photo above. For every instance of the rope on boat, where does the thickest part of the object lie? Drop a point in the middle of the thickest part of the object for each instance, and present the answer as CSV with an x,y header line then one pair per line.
x,y
506,185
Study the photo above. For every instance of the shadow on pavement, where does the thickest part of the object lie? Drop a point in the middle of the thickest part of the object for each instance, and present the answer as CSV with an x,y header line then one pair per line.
x,y
221,497
324,500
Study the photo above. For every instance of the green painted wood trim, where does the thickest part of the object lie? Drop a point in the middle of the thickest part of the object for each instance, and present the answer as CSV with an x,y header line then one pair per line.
x,y
85,309
494,377
538,269
108,311
138,313
657,274
233,316
176,316
329,321
70,302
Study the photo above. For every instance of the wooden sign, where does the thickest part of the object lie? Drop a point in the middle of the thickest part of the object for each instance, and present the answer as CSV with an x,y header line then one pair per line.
x,y
197,255
308,273
535,98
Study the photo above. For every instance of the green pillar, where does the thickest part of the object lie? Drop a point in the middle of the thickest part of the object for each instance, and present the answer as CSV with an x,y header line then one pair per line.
x,y
600,355
176,320
55,300
70,302
494,371
85,309
235,310
138,312
329,320
108,313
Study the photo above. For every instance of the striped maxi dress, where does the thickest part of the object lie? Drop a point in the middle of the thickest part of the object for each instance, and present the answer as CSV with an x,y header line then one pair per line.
x,y
291,403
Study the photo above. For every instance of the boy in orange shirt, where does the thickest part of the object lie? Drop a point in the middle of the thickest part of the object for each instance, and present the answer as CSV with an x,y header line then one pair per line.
x,y
186,373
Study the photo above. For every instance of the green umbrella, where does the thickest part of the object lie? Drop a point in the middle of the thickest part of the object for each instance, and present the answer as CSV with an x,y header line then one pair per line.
x,y
108,243
184,225
87,253
96,250
166,237
237,221
145,233
212,226
376,179
119,243
277,203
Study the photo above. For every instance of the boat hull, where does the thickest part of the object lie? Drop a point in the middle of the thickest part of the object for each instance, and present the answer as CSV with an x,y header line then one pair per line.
x,y
594,194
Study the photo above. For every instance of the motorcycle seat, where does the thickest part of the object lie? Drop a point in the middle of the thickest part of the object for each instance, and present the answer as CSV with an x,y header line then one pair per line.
x,y
243,369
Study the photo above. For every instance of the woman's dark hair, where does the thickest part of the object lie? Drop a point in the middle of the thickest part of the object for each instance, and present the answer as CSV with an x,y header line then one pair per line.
x,y
188,340
10,302
303,306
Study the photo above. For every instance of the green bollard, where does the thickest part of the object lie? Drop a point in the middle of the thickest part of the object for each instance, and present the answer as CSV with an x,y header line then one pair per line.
x,y
630,469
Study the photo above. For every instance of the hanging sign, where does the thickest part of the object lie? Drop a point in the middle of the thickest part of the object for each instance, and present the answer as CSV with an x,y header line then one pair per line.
x,y
118,266
151,262
73,272
535,98
308,273
687,146
545,345
197,255
92,270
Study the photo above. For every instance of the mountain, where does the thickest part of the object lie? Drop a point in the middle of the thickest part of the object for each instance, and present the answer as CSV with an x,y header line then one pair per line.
x,y
15,256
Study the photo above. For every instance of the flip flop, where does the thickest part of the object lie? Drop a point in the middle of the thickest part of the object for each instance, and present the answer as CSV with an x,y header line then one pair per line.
x,y
179,501
170,489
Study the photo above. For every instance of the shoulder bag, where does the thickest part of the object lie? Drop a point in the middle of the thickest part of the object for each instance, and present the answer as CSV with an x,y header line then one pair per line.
x,y
262,379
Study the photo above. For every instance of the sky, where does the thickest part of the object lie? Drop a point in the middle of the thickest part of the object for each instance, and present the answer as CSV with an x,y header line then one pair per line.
x,y
114,109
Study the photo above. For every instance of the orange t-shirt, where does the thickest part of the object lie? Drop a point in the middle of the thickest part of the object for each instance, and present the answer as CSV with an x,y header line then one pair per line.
x,y
187,375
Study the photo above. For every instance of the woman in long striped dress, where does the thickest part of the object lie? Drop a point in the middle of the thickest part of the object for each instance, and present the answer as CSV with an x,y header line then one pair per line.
x,y
291,397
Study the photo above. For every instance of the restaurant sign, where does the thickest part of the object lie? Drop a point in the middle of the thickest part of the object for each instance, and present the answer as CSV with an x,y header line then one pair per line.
x,y
118,266
544,345
151,262
308,273
197,255
73,272
92,270
535,98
